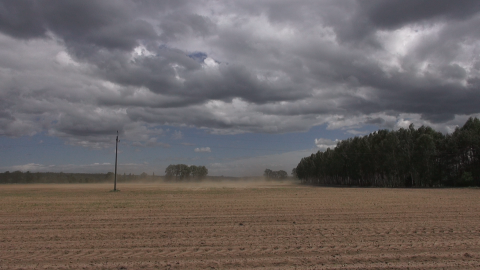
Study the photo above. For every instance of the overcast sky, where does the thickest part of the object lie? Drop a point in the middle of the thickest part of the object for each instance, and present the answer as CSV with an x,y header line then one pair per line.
x,y
237,86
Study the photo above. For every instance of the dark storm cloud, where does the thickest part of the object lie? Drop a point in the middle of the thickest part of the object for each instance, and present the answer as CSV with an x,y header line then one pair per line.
x,y
21,19
164,72
174,26
107,24
83,69
396,13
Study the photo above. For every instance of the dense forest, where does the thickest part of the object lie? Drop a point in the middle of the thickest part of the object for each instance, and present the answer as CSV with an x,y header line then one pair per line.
x,y
407,157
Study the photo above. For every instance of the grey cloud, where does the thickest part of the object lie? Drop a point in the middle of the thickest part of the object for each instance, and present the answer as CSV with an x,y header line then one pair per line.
x,y
396,13
224,116
169,116
4,114
477,65
107,24
453,71
175,26
299,108
120,36
375,121
22,19
159,74
241,66
474,83
238,81
83,124
438,117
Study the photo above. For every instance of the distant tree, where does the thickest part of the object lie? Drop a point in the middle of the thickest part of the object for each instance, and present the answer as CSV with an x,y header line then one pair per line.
x,y
170,172
281,174
294,173
269,174
193,171
143,175
182,171
198,172
202,172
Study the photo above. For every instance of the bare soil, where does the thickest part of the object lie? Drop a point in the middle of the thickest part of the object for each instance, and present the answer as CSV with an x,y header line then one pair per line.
x,y
228,225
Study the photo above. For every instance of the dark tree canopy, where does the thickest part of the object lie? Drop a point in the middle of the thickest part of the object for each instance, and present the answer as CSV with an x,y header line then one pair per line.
x,y
407,157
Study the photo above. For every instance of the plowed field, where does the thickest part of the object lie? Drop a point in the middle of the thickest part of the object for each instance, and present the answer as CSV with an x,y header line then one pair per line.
x,y
232,226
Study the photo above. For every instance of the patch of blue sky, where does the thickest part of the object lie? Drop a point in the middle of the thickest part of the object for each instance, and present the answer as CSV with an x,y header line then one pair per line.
x,y
198,56
47,150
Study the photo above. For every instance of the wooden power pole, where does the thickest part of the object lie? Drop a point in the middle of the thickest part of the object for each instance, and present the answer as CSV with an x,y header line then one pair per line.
x,y
116,149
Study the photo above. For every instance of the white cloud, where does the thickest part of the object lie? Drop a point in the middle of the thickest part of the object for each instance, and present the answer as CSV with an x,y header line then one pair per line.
x,y
209,62
323,144
357,132
402,123
65,59
203,149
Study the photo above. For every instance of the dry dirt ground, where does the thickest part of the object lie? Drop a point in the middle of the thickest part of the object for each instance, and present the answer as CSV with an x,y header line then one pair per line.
x,y
237,225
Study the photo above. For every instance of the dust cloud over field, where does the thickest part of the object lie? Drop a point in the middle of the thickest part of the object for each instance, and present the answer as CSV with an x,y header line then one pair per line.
x,y
231,225
253,182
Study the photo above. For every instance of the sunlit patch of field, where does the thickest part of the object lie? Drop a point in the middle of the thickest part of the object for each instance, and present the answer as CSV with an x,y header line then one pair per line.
x,y
231,225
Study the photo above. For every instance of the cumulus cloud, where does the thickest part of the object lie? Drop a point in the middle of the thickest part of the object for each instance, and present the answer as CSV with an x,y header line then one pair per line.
x,y
203,149
81,70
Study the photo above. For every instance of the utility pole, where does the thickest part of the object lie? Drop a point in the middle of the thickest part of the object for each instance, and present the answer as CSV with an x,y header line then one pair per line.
x,y
116,149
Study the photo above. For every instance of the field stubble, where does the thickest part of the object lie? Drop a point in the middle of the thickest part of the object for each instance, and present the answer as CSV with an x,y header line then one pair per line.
x,y
237,225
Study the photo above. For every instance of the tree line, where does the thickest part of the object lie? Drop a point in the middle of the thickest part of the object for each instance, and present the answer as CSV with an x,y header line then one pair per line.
x,y
407,157
177,172
19,177
183,172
